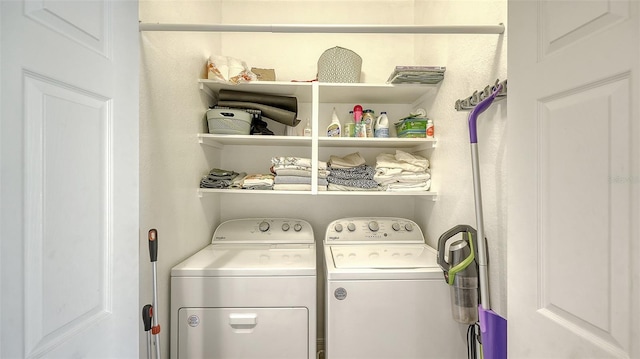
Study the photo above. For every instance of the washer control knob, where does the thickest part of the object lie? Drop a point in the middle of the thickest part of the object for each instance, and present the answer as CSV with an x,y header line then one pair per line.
x,y
373,226
263,226
351,227
285,226
338,227
297,227
408,227
395,226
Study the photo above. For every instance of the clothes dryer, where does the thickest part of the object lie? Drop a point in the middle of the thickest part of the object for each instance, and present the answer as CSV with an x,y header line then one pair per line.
x,y
385,296
250,294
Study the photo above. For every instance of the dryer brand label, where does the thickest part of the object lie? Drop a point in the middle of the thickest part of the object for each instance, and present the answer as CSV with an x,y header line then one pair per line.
x,y
340,293
193,321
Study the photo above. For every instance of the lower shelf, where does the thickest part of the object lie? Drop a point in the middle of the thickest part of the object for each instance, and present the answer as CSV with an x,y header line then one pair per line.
x,y
206,191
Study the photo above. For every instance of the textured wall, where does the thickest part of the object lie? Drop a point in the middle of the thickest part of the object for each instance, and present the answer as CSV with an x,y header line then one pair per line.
x,y
473,61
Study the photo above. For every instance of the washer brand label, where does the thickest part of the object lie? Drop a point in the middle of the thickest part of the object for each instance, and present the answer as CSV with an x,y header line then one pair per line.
x,y
193,321
340,293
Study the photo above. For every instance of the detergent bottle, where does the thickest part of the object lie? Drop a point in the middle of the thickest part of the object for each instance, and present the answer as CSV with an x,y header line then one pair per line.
x,y
334,128
382,125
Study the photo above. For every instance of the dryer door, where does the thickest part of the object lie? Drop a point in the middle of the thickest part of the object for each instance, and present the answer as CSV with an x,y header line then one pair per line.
x,y
243,333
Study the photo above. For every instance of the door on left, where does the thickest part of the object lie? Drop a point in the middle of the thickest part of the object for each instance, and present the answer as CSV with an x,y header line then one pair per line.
x,y
69,179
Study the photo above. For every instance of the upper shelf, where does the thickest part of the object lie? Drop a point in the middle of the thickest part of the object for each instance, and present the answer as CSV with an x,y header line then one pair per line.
x,y
328,28
329,92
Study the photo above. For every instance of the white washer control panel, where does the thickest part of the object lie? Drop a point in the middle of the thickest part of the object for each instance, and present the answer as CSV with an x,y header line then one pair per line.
x,y
264,230
373,229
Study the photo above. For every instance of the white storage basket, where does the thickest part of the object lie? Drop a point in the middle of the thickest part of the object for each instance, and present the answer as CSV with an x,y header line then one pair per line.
x,y
229,121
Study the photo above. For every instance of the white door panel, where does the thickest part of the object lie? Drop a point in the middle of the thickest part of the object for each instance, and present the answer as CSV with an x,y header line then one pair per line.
x,y
69,261
574,195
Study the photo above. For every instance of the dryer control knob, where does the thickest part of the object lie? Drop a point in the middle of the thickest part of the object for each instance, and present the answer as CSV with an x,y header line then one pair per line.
x,y
395,226
263,226
408,227
373,226
297,227
338,227
351,227
285,227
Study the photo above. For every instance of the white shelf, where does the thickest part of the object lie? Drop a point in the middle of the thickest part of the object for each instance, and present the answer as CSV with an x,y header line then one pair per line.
x,y
208,191
219,141
317,93
370,93
393,142
329,92
328,28
301,90
379,193
205,191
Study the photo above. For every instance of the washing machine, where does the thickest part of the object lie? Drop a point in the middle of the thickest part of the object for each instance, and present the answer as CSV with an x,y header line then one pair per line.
x,y
250,294
385,295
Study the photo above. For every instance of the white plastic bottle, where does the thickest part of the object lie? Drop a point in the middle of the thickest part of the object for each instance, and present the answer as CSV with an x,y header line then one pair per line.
x,y
430,129
334,129
382,125
307,130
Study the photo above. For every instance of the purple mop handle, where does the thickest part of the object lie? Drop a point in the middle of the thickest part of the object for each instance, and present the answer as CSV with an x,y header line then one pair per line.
x,y
480,108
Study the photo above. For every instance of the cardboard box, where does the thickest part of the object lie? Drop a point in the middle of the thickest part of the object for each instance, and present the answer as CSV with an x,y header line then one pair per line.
x,y
264,74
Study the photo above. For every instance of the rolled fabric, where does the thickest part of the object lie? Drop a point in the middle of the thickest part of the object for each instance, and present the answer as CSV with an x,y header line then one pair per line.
x,y
286,117
284,102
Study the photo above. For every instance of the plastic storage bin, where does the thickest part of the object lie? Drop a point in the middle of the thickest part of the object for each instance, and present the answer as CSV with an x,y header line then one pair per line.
x,y
415,127
229,121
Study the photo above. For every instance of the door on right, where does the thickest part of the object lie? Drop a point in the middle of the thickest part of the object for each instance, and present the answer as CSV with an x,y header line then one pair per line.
x,y
574,179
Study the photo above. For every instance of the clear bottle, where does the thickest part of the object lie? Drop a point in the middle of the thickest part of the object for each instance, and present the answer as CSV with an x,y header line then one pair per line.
x,y
349,128
307,129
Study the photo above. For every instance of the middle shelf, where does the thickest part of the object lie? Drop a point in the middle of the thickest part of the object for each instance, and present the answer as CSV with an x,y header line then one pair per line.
x,y
412,144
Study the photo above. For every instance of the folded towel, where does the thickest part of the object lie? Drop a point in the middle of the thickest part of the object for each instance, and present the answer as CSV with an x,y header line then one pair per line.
x,y
295,163
361,172
258,181
348,161
409,187
218,178
402,160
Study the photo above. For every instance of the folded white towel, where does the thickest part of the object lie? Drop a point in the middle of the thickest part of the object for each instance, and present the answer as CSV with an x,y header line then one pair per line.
x,y
402,160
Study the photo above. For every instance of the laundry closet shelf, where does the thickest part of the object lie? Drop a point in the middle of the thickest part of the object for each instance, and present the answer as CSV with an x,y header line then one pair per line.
x,y
219,141
210,191
367,93
327,28
251,192
426,194
416,144
300,90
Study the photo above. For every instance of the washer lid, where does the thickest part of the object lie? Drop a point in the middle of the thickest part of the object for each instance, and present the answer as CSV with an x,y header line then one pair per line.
x,y
385,256
217,260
